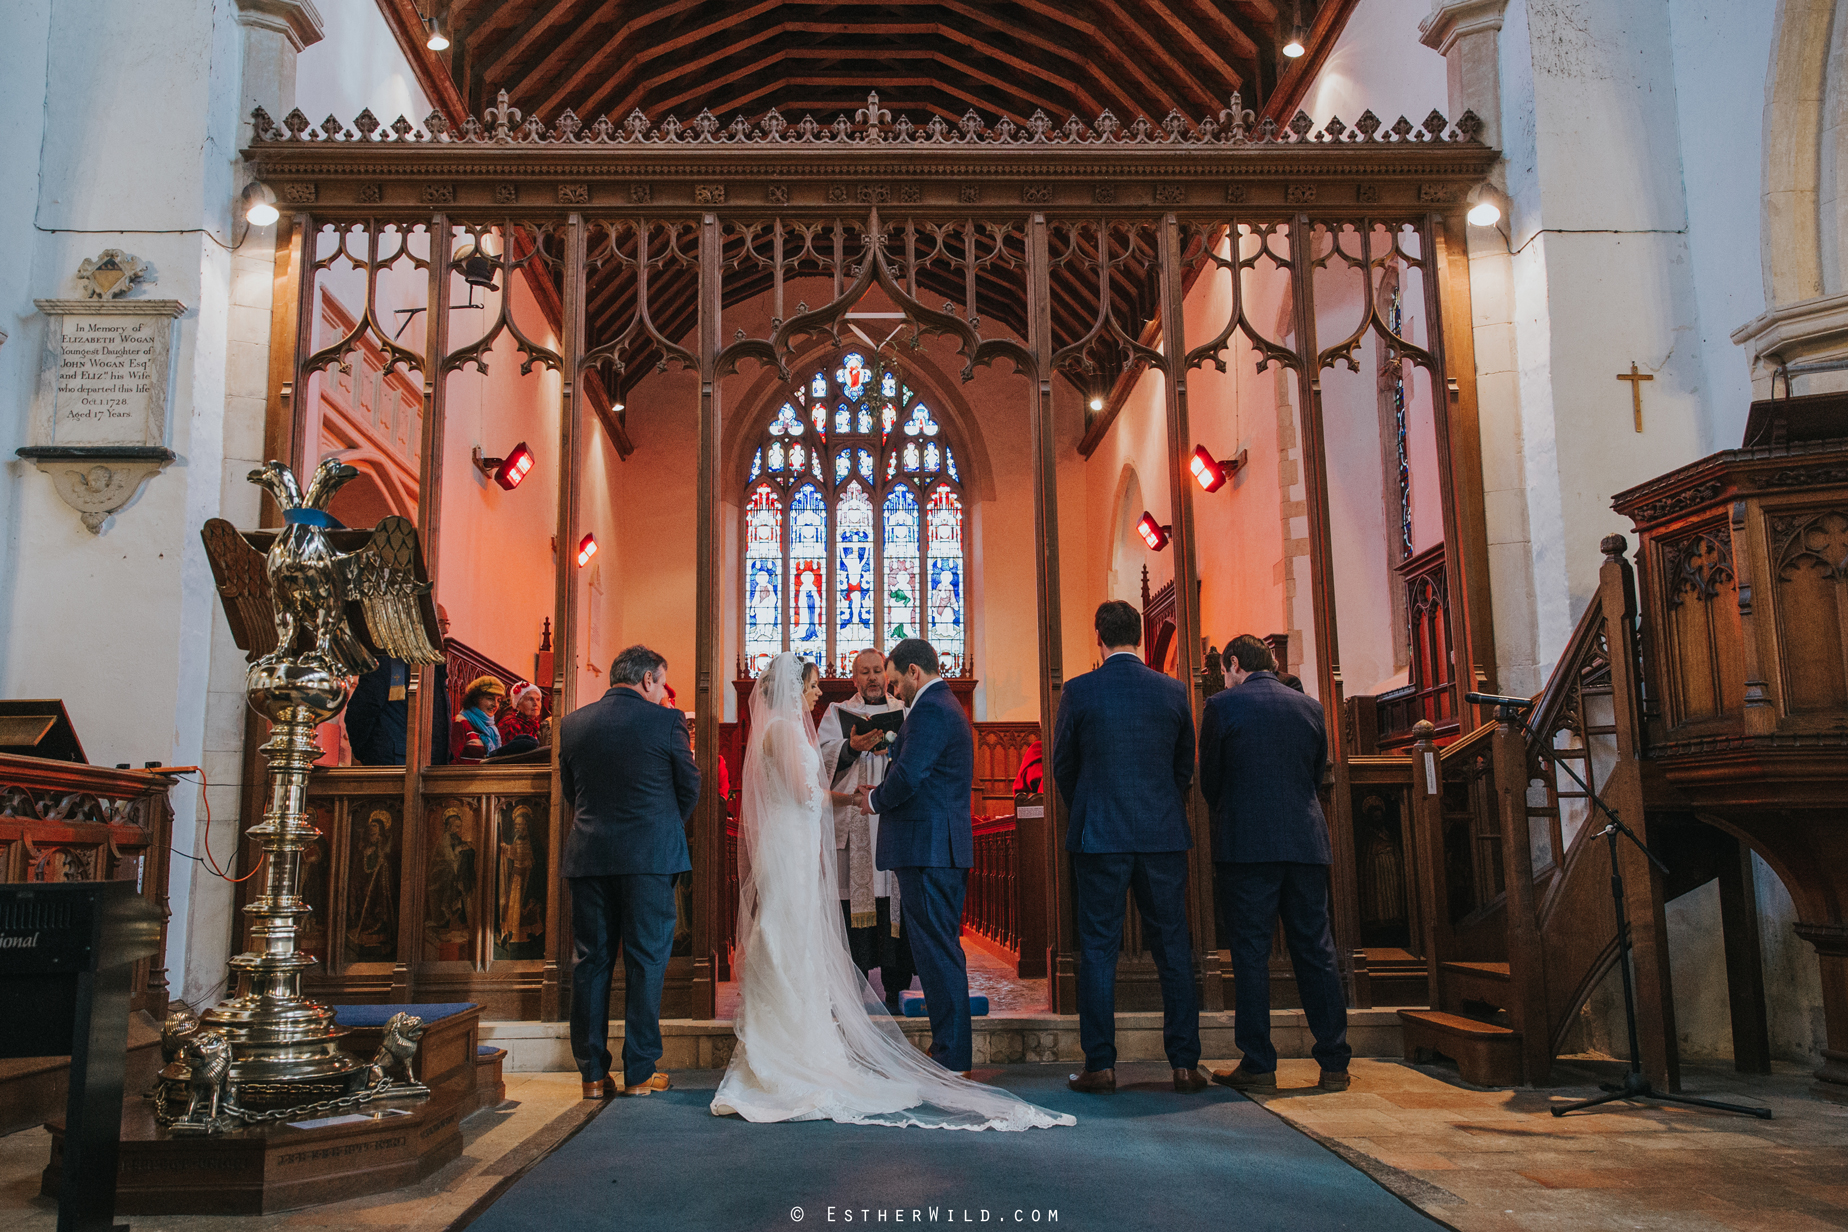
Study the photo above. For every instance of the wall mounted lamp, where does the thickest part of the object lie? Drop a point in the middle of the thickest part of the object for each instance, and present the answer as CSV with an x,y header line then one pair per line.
x,y
587,548
259,204
1485,205
1293,47
476,264
507,471
1153,533
434,38
1210,472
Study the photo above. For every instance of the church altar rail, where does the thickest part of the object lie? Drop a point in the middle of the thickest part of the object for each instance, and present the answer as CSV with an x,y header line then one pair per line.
x,y
991,906
62,821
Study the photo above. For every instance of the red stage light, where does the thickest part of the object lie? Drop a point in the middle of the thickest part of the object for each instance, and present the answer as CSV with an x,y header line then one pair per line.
x,y
1153,533
1212,473
510,470
587,548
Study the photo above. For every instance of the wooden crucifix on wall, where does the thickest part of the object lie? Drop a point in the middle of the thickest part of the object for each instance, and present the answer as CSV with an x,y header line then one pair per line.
x,y
1636,379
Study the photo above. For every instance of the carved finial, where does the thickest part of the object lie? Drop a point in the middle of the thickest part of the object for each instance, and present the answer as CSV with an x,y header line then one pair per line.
x,y
873,115
1423,729
1613,546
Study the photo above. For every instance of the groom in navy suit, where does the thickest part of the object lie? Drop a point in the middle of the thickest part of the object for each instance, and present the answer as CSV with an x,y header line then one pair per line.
x,y
1123,758
925,839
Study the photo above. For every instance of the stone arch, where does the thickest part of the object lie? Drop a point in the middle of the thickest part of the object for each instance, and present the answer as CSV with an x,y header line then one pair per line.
x,y
1796,93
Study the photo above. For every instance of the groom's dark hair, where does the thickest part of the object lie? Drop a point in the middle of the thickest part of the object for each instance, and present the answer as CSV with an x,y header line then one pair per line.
x,y
913,652
1119,624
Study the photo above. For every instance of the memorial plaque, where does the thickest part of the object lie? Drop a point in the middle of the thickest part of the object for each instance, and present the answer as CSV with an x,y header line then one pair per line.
x,y
103,377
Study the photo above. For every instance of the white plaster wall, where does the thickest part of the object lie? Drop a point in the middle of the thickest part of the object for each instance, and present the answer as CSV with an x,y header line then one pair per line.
x,y
357,65
1721,49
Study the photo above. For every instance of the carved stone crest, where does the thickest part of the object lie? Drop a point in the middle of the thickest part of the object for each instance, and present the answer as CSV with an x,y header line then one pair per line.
x,y
110,274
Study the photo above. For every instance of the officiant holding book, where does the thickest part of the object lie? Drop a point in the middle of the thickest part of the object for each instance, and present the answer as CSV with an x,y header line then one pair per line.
x,y
855,735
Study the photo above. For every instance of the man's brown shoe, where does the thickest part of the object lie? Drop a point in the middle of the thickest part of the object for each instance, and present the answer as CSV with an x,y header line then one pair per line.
x,y
656,1081
1334,1080
1242,1079
1188,1081
603,1088
1093,1081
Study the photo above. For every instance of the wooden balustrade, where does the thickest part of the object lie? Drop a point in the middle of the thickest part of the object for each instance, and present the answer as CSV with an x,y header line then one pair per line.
x,y
991,906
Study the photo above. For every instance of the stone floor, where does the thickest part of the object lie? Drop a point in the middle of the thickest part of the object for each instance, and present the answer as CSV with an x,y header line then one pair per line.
x,y
1498,1161
1477,1160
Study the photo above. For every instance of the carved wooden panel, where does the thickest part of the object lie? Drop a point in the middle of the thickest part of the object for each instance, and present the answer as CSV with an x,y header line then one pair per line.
x,y
375,850
1809,553
1703,642
520,881
316,876
452,879
999,750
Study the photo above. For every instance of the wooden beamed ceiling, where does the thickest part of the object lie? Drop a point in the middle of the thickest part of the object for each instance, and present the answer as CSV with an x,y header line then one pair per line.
x,y
999,58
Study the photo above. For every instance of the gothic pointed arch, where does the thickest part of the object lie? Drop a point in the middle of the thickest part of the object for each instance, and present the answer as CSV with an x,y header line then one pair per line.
x,y
855,521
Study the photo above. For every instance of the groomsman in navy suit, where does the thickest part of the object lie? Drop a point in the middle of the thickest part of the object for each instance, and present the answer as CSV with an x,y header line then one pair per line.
x,y
1123,759
926,839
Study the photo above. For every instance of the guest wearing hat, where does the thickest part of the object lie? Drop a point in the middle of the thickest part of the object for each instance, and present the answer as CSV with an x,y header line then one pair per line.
x,y
526,718
474,734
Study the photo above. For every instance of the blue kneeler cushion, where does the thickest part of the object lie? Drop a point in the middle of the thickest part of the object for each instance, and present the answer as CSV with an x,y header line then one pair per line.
x,y
914,1007
379,1015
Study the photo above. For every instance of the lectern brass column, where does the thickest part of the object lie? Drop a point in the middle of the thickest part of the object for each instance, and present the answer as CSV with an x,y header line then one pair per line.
x,y
312,604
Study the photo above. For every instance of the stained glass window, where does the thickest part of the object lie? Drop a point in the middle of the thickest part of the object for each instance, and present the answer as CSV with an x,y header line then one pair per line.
x,y
853,453
853,577
763,578
944,562
900,582
808,564
787,422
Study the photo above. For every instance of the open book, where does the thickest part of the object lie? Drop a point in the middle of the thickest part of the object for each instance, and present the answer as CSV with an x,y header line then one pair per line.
x,y
853,725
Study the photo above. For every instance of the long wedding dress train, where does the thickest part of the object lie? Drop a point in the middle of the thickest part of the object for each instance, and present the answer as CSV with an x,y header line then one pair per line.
x,y
813,1041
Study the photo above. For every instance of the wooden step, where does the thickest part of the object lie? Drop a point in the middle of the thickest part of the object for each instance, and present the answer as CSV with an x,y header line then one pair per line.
x,y
1486,983
1487,1055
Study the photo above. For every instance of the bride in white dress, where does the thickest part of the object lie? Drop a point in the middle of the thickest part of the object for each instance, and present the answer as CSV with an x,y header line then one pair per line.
x,y
814,1042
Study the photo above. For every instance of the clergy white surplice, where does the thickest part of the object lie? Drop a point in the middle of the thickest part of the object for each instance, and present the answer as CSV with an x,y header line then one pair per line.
x,y
856,834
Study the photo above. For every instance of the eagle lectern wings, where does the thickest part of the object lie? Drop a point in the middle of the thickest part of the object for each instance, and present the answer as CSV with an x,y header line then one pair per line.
x,y
317,586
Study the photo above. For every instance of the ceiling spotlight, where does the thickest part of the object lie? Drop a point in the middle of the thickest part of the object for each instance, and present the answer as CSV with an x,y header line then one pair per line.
x,y
507,471
587,548
436,40
1485,206
259,204
1097,402
1153,533
1294,48
1211,473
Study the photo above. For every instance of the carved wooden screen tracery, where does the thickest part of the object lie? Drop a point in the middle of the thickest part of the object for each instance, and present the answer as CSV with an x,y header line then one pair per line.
x,y
1063,249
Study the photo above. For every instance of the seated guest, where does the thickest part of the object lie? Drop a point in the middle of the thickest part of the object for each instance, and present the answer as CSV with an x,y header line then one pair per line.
x,y
524,718
474,734
1032,773
378,713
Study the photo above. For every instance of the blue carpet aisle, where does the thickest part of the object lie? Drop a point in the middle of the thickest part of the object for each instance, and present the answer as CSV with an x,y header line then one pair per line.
x,y
1142,1158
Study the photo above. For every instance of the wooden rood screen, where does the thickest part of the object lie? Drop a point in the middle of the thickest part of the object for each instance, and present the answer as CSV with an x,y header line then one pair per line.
x,y
1059,249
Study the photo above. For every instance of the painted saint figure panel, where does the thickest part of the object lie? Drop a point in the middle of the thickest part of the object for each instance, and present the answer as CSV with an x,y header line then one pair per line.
x,y
853,571
763,576
519,879
900,582
944,619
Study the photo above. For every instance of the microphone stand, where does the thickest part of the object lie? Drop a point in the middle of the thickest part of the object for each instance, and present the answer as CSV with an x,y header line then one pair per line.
x,y
1635,1084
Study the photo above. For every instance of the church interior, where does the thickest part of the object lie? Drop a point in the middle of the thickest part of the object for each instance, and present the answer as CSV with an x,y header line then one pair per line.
x,y
1484,358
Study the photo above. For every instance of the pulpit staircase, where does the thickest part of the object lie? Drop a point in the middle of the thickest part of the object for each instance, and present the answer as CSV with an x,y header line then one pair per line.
x,y
1519,923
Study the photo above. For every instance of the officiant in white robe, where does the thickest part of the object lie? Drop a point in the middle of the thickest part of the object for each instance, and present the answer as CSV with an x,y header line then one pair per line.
x,y
869,896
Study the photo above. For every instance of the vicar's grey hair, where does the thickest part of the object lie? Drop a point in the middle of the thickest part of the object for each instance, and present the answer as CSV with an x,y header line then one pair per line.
x,y
634,663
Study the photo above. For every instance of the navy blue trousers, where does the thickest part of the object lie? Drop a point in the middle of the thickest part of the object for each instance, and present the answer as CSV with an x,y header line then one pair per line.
x,y
931,905
635,910
1159,882
1252,898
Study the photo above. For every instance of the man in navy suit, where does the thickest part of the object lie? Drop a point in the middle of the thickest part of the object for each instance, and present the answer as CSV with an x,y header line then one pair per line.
x,y
926,840
629,775
1123,759
1263,747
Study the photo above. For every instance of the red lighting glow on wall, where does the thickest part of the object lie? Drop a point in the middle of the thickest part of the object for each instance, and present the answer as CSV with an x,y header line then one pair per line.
x,y
1153,533
587,548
